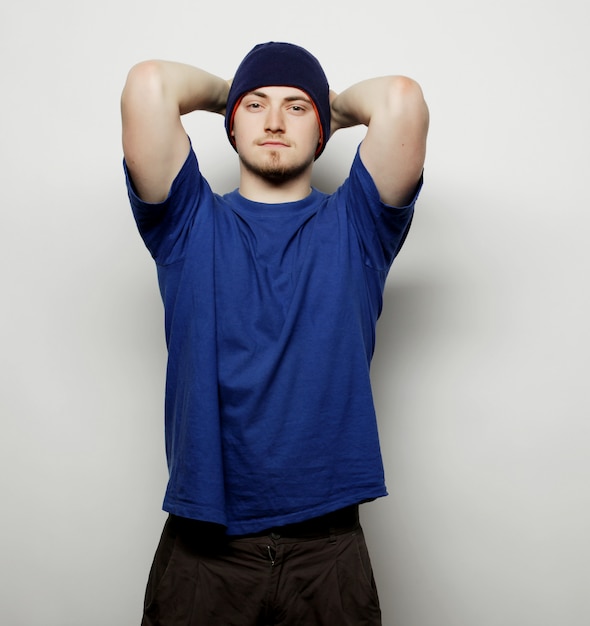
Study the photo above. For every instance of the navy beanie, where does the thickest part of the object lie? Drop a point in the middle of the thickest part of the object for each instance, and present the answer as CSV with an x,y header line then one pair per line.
x,y
281,64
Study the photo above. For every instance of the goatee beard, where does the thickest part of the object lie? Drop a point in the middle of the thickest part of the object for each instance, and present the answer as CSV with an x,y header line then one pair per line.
x,y
275,171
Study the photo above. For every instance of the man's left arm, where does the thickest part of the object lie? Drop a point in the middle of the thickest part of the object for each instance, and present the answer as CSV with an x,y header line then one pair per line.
x,y
394,148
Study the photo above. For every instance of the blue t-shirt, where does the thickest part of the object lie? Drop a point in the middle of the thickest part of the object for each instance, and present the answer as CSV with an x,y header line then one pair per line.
x,y
270,314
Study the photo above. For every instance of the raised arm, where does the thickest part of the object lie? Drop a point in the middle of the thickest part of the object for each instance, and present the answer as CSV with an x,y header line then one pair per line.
x,y
155,143
394,148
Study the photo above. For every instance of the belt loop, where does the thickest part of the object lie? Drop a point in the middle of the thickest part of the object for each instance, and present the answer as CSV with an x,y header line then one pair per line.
x,y
332,535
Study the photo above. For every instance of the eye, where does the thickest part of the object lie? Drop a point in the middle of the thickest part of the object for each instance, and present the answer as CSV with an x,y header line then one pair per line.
x,y
299,109
252,103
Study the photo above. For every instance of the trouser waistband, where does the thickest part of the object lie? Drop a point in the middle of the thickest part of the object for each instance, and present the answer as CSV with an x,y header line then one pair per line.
x,y
335,523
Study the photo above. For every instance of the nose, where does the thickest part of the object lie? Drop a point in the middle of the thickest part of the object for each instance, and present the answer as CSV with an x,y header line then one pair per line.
x,y
275,122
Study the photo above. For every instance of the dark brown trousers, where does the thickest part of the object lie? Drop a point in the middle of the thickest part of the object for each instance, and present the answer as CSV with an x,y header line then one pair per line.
x,y
316,573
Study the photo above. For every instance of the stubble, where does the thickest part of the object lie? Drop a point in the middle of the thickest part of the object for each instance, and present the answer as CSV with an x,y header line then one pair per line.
x,y
274,169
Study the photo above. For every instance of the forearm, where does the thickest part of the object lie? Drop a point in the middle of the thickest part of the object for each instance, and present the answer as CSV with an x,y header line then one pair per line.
x,y
360,103
349,108
170,85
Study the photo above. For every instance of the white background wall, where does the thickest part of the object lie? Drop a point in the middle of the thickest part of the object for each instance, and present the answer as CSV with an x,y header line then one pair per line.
x,y
482,366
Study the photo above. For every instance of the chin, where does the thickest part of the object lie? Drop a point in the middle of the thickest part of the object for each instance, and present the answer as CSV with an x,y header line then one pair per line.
x,y
276,168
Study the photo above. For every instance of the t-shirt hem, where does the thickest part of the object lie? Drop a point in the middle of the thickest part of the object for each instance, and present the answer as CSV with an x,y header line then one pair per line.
x,y
244,527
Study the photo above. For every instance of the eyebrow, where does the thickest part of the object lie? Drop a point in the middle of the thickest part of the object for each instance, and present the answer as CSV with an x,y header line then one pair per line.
x,y
293,98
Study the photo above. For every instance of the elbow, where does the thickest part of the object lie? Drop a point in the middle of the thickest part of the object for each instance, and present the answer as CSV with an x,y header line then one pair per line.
x,y
403,90
144,83
404,97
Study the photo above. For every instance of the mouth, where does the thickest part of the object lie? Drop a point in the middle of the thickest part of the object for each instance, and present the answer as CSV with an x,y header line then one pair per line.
x,y
273,143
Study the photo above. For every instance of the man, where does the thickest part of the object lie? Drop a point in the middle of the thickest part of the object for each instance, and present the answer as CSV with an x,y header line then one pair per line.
x,y
271,297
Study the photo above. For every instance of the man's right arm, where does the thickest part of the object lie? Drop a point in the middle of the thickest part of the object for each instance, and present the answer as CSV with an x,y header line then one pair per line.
x,y
155,143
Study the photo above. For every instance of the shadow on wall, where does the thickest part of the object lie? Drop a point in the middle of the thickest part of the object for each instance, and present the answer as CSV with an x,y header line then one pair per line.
x,y
406,331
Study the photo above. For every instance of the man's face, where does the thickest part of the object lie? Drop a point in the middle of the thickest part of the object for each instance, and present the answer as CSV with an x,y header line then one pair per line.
x,y
276,132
